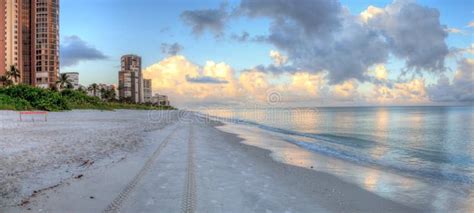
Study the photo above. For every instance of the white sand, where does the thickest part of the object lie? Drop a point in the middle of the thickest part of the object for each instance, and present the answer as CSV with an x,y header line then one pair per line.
x,y
156,163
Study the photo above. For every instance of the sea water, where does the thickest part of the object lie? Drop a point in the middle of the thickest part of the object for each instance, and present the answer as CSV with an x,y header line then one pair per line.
x,y
418,156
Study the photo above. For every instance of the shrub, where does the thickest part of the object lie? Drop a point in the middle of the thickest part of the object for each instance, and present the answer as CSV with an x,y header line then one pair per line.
x,y
38,98
9,103
25,97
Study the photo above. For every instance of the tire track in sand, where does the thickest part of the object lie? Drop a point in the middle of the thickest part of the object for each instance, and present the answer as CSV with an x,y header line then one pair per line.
x,y
190,196
116,204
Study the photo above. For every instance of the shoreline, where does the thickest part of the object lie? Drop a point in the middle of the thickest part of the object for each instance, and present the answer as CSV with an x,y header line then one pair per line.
x,y
230,176
334,187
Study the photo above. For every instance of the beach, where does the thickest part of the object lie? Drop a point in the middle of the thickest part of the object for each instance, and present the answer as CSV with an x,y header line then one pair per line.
x,y
139,161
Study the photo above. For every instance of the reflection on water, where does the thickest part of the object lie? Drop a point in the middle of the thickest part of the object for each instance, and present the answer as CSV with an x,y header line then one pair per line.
x,y
371,180
381,126
421,156
305,119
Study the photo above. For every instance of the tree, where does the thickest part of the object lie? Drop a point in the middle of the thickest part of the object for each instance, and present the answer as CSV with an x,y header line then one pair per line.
x,y
82,89
108,94
13,73
102,93
64,81
93,88
5,81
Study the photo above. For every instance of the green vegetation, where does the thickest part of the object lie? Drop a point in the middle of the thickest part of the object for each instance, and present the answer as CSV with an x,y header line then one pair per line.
x,y
11,76
25,97
64,82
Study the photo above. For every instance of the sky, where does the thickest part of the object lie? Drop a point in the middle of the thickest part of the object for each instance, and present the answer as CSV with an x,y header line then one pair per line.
x,y
286,52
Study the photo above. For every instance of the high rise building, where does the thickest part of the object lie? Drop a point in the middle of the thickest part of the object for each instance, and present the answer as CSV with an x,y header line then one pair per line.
x,y
131,79
29,40
147,92
3,16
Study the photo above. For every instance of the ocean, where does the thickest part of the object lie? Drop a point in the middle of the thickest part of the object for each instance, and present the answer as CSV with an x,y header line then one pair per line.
x,y
418,156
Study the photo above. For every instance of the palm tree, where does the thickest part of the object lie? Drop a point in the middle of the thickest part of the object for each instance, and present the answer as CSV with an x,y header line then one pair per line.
x,y
108,94
13,73
5,81
63,81
93,88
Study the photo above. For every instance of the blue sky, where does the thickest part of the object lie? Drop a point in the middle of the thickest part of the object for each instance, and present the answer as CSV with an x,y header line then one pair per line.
x,y
118,27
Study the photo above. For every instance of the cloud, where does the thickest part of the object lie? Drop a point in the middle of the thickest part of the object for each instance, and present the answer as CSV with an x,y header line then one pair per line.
x,y
216,83
470,24
461,89
460,52
370,13
305,84
243,37
320,36
408,92
170,76
187,83
75,50
315,16
470,49
380,72
453,30
213,20
278,58
205,80
171,49
420,43
346,91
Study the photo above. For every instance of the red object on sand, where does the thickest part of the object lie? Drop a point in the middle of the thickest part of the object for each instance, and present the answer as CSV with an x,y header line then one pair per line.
x,y
34,113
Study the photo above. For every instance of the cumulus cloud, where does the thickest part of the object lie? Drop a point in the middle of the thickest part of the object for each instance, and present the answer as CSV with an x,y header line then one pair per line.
x,y
307,84
379,72
414,33
461,89
187,84
408,92
171,49
370,12
315,16
213,20
75,50
320,35
278,58
329,52
346,91
205,80
213,82
171,76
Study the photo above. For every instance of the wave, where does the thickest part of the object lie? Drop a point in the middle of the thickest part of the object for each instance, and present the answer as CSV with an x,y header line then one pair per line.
x,y
337,139
360,159
350,149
